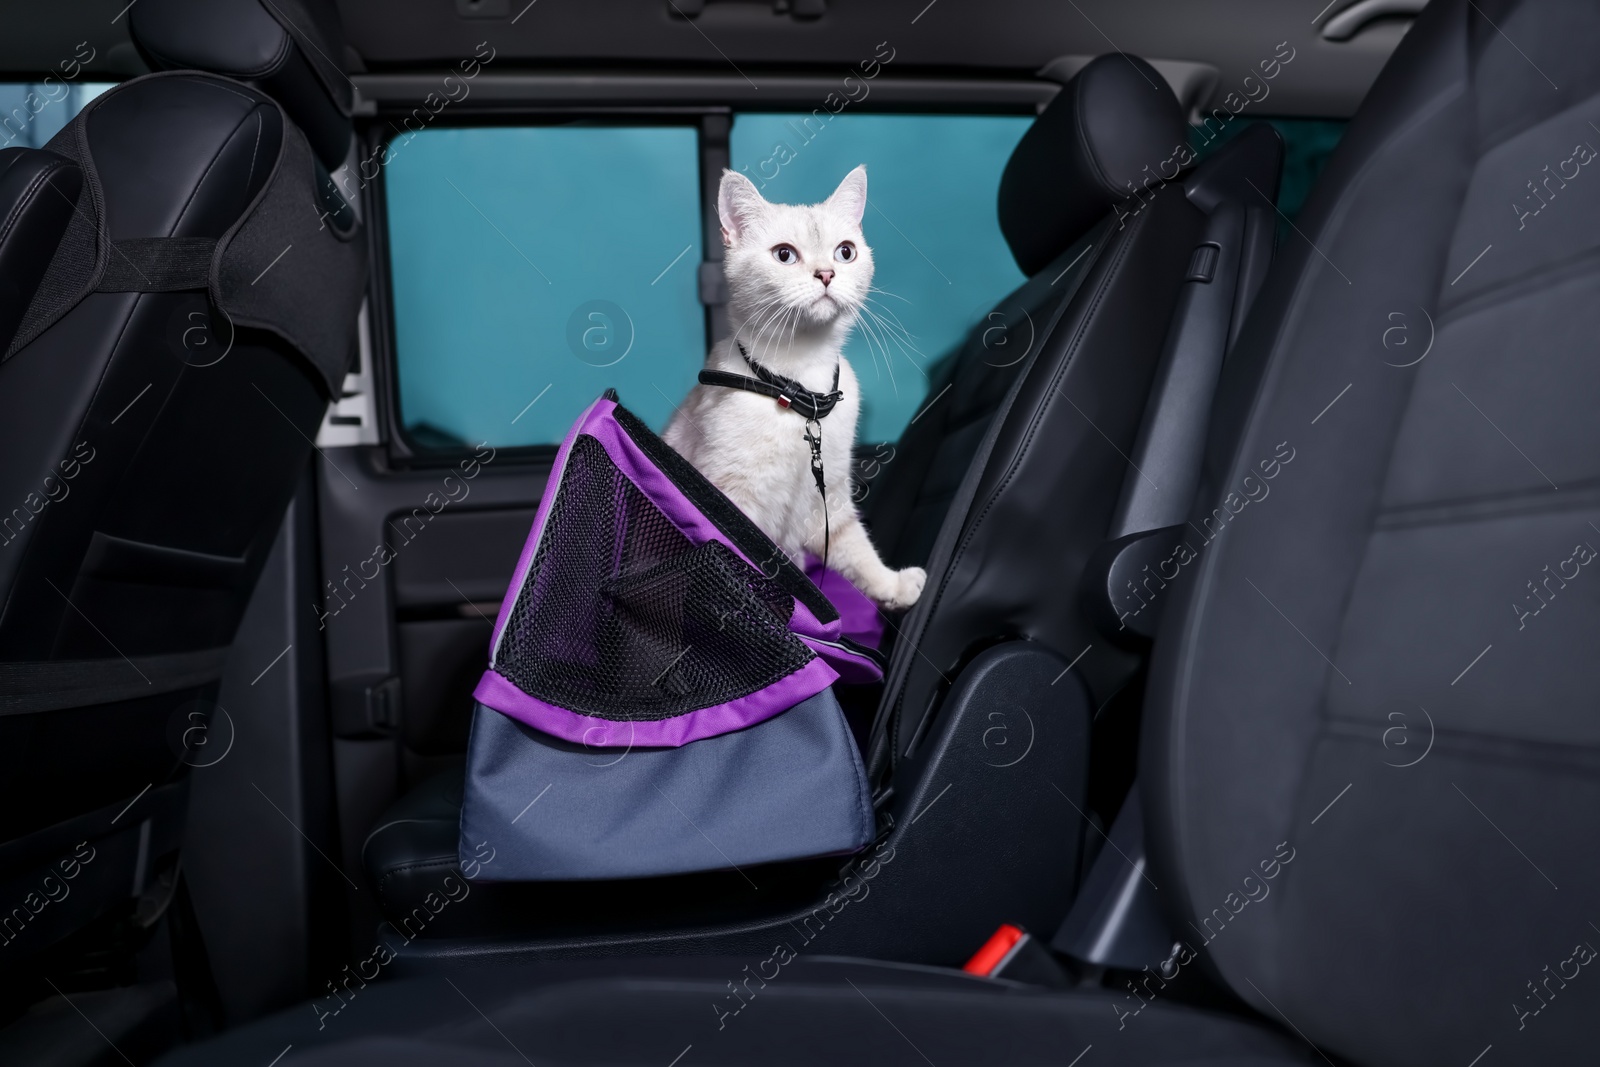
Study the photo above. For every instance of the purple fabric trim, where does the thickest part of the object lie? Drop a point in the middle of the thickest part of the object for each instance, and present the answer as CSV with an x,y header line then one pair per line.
x,y
859,619
546,499
497,692
805,624
851,668
832,663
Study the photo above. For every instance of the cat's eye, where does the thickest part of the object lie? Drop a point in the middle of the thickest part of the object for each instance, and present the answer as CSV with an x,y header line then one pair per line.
x,y
786,254
845,252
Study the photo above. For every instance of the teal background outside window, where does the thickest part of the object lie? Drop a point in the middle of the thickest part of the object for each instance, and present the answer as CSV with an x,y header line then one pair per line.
x,y
1307,144
541,265
32,113
532,268
932,184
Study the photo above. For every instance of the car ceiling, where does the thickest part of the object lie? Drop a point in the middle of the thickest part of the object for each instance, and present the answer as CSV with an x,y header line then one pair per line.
x,y
995,38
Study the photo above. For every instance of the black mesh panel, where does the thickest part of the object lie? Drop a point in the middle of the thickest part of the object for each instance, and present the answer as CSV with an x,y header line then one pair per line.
x,y
621,617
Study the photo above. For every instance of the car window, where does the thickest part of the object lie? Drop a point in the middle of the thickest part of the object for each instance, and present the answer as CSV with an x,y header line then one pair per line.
x,y
1307,144
532,268
940,262
33,112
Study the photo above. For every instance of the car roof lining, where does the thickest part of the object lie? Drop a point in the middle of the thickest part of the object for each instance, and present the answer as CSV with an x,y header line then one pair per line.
x,y
952,43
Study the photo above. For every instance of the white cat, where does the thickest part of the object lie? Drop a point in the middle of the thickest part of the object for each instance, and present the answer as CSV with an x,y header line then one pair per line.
x,y
798,276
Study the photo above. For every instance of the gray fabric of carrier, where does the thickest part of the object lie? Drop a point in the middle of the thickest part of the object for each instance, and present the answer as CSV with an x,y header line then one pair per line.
x,y
555,810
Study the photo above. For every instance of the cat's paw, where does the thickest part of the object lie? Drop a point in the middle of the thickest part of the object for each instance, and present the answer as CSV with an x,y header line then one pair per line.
x,y
907,587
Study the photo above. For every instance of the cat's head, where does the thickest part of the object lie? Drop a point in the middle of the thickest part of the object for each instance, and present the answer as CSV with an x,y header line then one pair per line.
x,y
794,268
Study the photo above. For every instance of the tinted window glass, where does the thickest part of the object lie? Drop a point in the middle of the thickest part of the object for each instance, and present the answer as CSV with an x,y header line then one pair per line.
x,y
1307,144
941,263
32,113
533,268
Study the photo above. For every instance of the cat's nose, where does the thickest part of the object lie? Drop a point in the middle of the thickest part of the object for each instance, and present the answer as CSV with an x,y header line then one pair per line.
x,y
826,276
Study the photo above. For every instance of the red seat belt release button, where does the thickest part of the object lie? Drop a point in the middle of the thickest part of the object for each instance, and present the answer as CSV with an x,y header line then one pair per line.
x,y
1000,947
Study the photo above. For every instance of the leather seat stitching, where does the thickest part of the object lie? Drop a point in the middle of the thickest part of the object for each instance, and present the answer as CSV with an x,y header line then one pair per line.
x,y
26,199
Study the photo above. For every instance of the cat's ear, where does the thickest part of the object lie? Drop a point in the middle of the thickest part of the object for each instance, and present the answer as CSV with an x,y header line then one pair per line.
x,y
851,196
738,205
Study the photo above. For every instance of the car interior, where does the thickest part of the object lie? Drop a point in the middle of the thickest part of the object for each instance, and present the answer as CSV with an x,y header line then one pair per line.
x,y
1222,370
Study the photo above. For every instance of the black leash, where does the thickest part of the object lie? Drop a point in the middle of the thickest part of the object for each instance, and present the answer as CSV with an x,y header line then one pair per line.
x,y
790,394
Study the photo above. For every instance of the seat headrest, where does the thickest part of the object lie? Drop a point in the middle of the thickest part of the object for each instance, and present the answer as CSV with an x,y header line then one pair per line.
x,y
37,192
1105,134
292,50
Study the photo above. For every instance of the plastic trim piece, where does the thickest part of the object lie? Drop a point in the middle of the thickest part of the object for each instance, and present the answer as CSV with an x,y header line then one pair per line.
x,y
1349,22
1115,921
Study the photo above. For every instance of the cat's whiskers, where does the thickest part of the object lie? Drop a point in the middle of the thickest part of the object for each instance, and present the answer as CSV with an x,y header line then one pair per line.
x,y
887,340
760,330
770,327
871,336
888,320
760,323
794,324
883,328
760,337
901,336
746,318
891,322
885,292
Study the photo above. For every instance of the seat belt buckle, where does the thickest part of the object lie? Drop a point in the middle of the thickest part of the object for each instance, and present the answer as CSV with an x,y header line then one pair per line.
x,y
1014,954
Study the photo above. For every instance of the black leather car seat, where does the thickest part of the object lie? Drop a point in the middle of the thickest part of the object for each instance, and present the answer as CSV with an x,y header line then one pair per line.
x,y
1036,412
1042,443
1090,149
181,298
1369,764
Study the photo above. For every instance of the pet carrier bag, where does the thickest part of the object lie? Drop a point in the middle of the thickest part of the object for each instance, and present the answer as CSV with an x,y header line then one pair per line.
x,y
658,695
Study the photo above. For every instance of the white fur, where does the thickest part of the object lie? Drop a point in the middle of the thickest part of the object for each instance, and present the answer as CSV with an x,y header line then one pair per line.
x,y
749,447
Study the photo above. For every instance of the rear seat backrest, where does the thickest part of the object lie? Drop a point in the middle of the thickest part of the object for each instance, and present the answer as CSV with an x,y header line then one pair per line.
x,y
37,191
1092,148
1440,495
192,311
1039,443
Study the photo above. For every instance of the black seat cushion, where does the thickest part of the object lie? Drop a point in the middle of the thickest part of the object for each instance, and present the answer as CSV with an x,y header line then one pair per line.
x,y
144,489
37,191
1028,427
1388,665
1102,139
912,484
1008,563
415,843
805,1011
292,50
1072,167
177,156
152,442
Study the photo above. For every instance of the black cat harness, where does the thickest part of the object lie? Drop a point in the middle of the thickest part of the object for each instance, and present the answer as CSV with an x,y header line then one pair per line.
x,y
790,394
